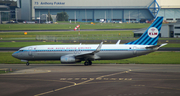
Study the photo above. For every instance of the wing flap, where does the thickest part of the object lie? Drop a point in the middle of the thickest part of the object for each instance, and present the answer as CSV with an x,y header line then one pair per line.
x,y
91,55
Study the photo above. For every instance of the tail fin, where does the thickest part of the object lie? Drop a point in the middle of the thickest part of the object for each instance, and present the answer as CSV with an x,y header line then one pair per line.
x,y
151,35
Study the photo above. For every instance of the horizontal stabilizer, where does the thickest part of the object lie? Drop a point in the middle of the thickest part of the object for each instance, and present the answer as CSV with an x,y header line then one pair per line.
x,y
153,47
156,46
163,44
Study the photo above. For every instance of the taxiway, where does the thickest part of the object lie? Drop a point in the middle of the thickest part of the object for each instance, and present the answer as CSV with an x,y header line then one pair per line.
x,y
95,80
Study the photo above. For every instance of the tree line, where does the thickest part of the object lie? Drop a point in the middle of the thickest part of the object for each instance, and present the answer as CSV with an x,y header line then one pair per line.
x,y
63,16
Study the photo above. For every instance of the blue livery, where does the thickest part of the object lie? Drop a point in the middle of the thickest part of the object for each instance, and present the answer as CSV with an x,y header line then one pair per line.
x,y
151,35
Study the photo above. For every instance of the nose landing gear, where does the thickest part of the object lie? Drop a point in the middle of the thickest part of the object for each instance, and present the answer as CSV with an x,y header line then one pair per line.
x,y
27,63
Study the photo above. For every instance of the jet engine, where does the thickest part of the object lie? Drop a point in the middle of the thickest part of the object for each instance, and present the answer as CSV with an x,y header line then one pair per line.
x,y
68,59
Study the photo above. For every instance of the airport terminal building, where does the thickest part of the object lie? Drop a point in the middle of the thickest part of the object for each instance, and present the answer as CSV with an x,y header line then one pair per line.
x,y
94,10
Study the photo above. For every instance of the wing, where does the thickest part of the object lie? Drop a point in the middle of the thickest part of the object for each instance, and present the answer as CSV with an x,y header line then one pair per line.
x,y
88,55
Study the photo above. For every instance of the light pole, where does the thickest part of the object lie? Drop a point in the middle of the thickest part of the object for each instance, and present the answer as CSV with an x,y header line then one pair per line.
x,y
0,17
39,17
75,16
105,17
129,16
16,15
85,16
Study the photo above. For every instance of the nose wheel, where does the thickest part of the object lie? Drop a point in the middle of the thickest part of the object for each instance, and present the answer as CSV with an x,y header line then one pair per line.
x,y
27,63
88,62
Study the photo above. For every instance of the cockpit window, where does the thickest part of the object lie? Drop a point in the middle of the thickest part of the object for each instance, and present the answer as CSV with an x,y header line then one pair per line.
x,y
21,50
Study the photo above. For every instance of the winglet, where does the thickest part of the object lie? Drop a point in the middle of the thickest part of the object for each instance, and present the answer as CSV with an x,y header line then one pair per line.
x,y
118,42
98,48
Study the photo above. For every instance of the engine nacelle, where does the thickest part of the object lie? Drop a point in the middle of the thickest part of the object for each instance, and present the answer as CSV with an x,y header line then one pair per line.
x,y
68,59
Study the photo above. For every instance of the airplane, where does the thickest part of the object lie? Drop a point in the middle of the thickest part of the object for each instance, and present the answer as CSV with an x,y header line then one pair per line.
x,y
147,43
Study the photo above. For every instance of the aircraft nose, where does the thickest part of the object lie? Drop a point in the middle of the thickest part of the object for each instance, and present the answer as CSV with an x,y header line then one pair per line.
x,y
15,55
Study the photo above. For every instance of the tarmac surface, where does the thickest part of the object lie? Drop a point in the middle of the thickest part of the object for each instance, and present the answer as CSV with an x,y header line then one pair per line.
x,y
95,80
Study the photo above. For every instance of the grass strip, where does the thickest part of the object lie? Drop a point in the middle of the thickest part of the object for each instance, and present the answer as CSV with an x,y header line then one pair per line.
x,y
30,34
92,35
24,44
71,26
3,71
152,58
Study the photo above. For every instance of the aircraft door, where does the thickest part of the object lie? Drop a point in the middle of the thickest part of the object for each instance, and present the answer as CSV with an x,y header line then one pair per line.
x,y
135,50
30,51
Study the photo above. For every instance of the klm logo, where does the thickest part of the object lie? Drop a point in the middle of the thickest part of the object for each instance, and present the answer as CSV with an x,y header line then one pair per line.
x,y
153,32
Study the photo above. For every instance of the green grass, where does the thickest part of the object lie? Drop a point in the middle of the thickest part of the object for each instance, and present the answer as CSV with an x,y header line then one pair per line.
x,y
71,26
23,44
69,35
30,34
172,45
3,71
73,35
87,35
152,58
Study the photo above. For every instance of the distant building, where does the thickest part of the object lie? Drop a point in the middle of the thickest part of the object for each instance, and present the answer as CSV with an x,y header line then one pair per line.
x,y
170,30
4,13
109,10
91,10
12,5
170,10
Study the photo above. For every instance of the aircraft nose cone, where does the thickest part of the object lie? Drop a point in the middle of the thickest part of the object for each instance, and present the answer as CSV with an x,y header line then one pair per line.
x,y
15,55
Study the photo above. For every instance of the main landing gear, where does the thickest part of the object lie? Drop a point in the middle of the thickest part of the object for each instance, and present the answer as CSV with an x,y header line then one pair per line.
x,y
27,63
88,62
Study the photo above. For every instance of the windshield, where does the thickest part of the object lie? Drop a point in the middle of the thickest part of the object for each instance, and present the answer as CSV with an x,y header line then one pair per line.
x,y
20,50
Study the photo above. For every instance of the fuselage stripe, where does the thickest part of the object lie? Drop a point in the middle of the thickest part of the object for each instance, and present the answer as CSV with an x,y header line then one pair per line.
x,y
80,50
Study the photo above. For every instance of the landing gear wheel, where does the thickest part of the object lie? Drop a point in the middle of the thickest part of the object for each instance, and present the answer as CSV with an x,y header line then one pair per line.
x,y
27,64
86,63
90,63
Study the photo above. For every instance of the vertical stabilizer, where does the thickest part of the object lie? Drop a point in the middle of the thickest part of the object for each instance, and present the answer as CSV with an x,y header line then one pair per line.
x,y
151,35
